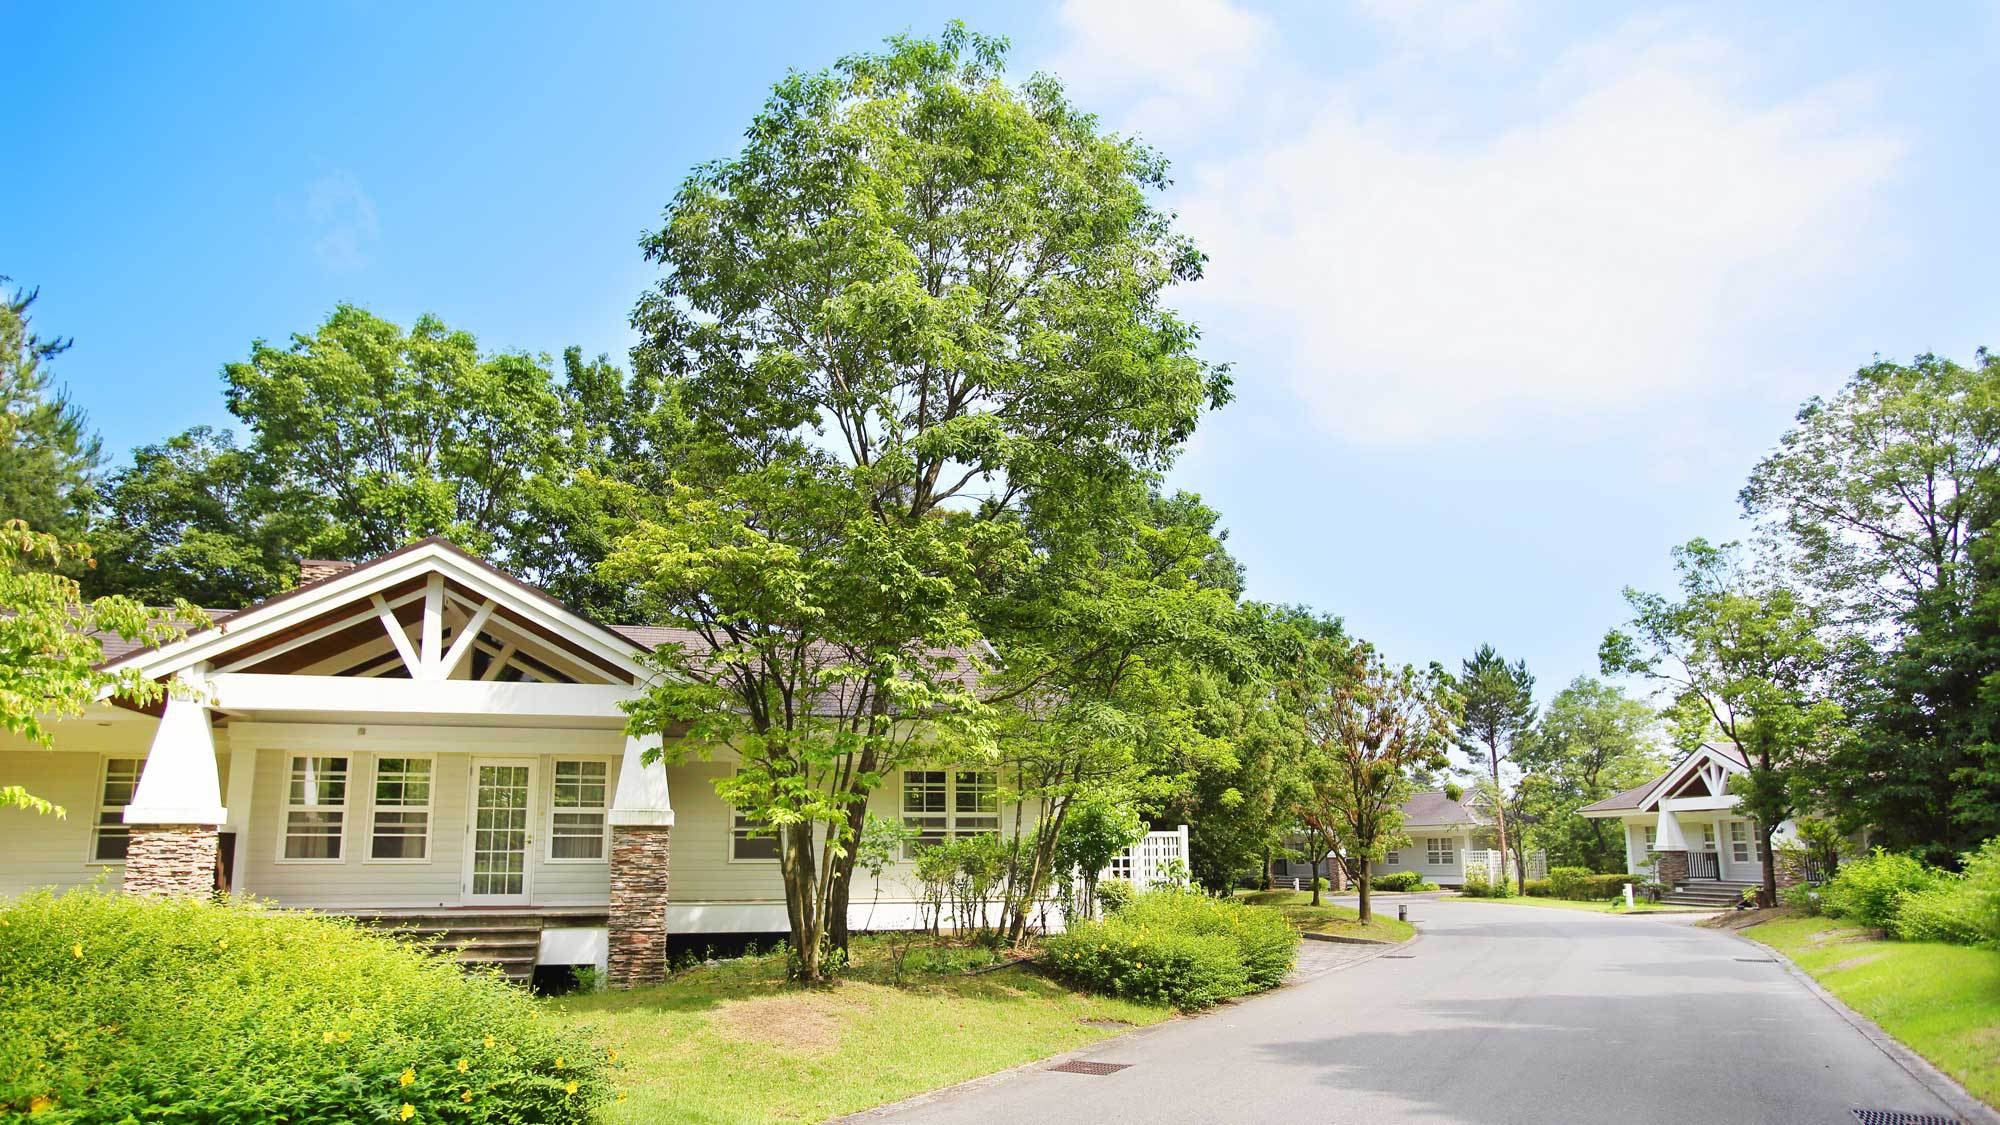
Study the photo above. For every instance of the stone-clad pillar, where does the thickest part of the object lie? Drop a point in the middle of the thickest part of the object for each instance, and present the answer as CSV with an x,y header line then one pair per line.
x,y
642,824
177,808
1671,866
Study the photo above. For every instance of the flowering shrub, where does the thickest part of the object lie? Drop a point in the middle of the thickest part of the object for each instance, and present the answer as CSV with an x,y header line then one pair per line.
x,y
1177,947
123,1009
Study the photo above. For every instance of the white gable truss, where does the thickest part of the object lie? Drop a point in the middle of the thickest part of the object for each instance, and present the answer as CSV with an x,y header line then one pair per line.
x,y
425,630
1707,769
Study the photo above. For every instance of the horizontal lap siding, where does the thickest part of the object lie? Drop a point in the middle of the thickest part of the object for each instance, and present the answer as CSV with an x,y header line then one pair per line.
x,y
46,850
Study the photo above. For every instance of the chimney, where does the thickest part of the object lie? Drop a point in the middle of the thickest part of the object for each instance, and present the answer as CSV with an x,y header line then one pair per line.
x,y
314,570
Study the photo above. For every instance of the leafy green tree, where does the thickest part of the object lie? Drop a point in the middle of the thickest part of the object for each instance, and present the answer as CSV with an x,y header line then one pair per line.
x,y
929,303
1883,497
49,456
50,646
197,517
1368,728
1499,715
1744,659
1593,740
1096,832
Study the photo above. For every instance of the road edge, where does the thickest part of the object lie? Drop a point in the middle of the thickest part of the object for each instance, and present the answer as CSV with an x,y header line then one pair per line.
x,y
1043,1063
1948,1089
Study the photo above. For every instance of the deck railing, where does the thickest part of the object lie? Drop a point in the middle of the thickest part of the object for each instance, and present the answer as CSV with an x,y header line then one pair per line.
x,y
1703,865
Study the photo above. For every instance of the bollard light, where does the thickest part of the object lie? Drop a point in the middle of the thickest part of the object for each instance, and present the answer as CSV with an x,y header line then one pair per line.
x,y
1402,912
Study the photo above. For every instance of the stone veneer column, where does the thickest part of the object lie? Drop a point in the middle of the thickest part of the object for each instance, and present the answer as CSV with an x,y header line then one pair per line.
x,y
1670,866
170,859
638,924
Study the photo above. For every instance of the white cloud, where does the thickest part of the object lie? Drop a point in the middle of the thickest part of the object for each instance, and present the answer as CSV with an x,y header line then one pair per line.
x,y
1618,246
342,218
1443,24
1183,61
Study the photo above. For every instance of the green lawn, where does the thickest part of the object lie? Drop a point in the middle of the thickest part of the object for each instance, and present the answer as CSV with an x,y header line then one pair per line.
x,y
736,1043
1942,1001
1594,906
1328,919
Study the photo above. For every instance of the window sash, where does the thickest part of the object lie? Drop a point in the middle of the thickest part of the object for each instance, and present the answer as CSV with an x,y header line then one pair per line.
x,y
109,838
400,830
942,805
1439,850
315,808
745,846
578,811
1739,842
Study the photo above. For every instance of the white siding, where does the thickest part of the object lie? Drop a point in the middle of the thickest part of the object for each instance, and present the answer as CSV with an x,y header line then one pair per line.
x,y
1414,856
51,851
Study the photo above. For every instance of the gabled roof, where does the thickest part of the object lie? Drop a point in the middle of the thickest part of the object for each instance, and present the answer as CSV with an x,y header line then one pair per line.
x,y
1435,807
1643,798
235,632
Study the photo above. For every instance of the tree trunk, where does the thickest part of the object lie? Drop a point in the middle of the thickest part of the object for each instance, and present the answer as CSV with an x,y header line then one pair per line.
x,y
841,892
803,909
1267,871
1500,807
1315,879
1769,897
1367,910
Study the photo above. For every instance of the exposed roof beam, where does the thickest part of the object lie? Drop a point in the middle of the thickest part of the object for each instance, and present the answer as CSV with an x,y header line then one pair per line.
x,y
462,643
410,658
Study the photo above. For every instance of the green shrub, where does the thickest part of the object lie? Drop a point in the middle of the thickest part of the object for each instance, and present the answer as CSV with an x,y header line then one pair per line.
x,y
1396,881
1870,891
1114,895
1179,948
1805,898
1538,888
1946,912
1567,882
1586,885
1982,888
116,1009
1478,886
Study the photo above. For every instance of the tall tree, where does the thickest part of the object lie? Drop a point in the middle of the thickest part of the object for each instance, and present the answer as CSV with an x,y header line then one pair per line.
x,y
49,456
50,642
1368,728
1593,741
1744,659
941,293
1880,497
1499,714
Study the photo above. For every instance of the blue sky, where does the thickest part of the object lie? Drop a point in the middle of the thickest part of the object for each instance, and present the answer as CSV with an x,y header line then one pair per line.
x,y
1515,293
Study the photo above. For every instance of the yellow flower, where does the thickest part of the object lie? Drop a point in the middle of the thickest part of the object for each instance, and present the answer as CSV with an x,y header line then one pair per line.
x,y
464,1064
621,1095
41,1103
326,1036
223,944
489,1042
409,1076
570,1086
614,1054
343,1036
77,949
559,1063
466,1096
408,1112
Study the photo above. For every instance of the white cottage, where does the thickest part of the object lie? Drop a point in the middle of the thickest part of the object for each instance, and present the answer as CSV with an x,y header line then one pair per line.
x,y
1448,837
1683,829
424,739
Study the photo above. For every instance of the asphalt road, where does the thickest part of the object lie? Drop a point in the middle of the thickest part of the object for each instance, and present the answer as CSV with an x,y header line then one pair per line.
x,y
1498,1013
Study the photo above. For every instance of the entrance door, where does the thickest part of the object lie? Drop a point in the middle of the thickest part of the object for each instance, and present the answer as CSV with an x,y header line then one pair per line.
x,y
498,836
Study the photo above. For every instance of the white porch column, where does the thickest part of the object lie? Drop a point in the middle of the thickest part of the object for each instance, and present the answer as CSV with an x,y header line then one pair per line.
x,y
1669,837
242,783
642,825
177,806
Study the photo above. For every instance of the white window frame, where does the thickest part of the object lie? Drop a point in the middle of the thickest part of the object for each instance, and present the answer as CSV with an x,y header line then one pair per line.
x,y
732,833
1393,859
950,814
286,808
1440,846
1748,844
428,808
1652,837
603,811
97,826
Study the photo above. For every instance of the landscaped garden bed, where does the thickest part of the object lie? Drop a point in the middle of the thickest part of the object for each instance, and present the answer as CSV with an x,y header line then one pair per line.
x,y
1327,918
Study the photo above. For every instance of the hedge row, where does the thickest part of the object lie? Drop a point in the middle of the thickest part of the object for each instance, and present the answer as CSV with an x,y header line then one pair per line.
x,y
1913,901
119,1009
1177,947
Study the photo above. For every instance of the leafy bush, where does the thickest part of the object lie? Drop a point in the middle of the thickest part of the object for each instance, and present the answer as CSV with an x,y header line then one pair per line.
x,y
1538,888
1478,886
1946,912
117,1009
1870,891
1115,895
1584,884
1178,948
1982,888
1802,897
1396,881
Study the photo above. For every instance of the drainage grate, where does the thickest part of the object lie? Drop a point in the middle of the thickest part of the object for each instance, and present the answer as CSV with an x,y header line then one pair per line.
x,y
1399,957
1082,1066
1765,961
1898,1117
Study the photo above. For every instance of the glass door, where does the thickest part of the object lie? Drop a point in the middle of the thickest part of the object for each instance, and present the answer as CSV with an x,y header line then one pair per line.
x,y
496,871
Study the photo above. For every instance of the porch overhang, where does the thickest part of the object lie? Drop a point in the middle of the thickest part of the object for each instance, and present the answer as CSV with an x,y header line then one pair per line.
x,y
264,694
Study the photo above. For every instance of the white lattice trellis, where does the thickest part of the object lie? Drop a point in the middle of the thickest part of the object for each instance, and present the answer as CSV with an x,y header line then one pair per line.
x,y
1146,862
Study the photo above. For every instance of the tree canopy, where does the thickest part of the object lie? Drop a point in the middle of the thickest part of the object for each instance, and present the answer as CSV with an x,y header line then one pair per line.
x,y
49,456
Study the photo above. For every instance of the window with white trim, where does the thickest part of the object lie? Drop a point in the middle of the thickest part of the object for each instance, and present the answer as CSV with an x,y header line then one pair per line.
x,y
939,805
751,839
315,809
1393,858
1651,834
1439,851
401,828
577,812
1739,842
109,836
